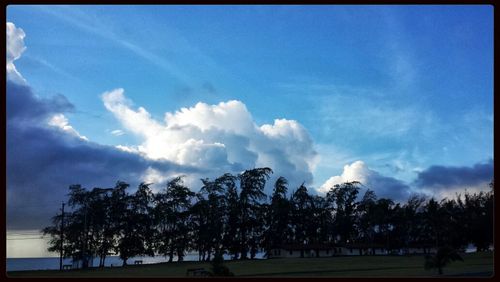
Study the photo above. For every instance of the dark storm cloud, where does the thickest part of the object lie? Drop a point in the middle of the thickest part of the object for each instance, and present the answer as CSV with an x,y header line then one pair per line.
x,y
388,187
23,106
450,176
43,161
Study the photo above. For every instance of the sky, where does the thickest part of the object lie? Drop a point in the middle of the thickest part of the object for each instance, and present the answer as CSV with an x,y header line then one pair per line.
x,y
399,98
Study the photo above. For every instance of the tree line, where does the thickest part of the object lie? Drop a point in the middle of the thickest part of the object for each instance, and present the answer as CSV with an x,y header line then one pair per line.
x,y
231,214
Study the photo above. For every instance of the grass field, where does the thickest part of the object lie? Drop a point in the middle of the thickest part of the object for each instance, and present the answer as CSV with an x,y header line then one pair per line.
x,y
474,264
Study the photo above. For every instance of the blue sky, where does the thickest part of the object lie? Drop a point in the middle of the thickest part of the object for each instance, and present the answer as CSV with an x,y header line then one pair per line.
x,y
383,93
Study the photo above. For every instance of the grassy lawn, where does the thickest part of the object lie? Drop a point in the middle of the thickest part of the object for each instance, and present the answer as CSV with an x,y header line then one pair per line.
x,y
475,264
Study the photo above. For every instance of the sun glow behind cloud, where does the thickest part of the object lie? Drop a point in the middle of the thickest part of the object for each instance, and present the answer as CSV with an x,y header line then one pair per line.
x,y
222,137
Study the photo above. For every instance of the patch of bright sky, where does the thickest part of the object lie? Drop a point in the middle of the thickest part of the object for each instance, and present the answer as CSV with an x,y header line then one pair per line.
x,y
399,87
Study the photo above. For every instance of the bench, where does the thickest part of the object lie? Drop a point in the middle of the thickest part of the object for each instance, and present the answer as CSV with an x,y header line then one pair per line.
x,y
138,262
196,272
67,266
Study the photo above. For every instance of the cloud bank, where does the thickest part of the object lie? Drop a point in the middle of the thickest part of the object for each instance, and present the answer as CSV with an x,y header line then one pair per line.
x,y
43,159
220,138
445,181
446,176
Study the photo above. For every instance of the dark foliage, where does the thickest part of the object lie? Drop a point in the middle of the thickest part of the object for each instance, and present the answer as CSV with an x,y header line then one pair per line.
x,y
231,214
443,256
218,268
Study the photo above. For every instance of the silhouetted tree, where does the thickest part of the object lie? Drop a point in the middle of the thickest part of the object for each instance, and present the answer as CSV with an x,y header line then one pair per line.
x,y
365,217
432,217
79,224
140,222
214,206
342,198
252,184
199,226
443,257
127,240
218,268
479,218
55,236
411,225
232,240
100,220
219,220
452,230
277,216
382,217
302,208
318,228
173,208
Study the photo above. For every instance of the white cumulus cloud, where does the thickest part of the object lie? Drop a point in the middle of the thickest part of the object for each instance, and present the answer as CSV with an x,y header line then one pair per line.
x,y
15,47
383,186
61,122
154,176
357,171
219,138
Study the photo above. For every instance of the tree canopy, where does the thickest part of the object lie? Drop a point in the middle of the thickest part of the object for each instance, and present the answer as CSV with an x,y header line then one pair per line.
x,y
232,215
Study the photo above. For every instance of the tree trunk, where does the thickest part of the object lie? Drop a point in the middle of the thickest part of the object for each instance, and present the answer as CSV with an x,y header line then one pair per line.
x,y
243,244
437,240
180,255
124,261
171,256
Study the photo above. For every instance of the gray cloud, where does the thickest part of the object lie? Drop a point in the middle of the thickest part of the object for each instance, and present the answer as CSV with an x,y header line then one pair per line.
x,y
443,177
43,161
24,107
388,187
